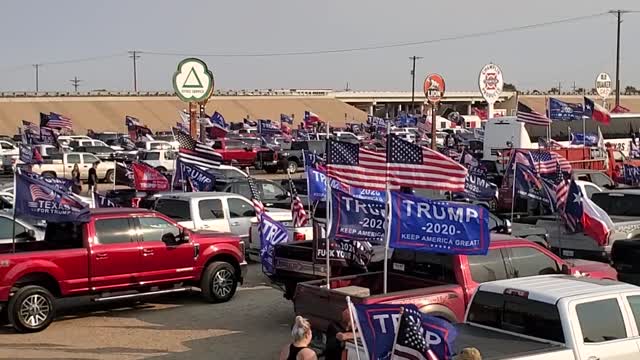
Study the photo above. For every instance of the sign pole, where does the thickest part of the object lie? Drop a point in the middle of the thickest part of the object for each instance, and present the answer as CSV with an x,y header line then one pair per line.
x,y
387,230
434,91
434,142
327,183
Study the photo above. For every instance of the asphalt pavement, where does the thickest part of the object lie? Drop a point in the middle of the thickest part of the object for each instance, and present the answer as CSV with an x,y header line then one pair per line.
x,y
255,324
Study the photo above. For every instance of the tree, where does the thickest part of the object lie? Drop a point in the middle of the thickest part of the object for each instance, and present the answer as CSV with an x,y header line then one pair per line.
x,y
509,87
630,90
553,90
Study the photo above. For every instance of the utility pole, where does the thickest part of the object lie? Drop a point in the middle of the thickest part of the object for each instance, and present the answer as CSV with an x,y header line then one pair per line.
x,y
574,87
76,83
559,88
134,55
619,14
413,82
37,67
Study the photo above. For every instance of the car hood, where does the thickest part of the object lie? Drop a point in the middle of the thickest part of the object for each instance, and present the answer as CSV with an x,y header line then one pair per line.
x,y
594,269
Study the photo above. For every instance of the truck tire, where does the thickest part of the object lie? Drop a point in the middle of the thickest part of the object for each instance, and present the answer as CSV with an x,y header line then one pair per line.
x,y
31,309
111,177
162,169
293,166
219,282
270,169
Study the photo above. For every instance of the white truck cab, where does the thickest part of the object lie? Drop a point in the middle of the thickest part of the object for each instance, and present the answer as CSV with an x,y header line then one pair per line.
x,y
502,133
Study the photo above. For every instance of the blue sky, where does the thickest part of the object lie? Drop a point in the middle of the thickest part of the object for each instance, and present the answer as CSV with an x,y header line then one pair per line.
x,y
52,31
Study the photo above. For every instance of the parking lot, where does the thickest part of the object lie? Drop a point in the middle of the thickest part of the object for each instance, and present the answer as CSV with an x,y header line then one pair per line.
x,y
254,325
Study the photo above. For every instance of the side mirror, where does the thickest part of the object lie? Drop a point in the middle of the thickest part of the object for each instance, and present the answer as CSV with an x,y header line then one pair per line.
x,y
31,234
169,238
184,236
565,269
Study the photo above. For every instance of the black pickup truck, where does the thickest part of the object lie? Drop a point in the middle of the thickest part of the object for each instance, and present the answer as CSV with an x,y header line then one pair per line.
x,y
291,155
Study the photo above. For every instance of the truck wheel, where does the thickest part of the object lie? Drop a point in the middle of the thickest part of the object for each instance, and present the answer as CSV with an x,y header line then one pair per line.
x,y
293,166
161,169
271,169
31,309
111,176
219,282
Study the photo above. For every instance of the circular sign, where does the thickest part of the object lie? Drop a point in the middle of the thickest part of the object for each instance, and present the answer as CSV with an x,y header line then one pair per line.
x,y
603,85
434,88
193,81
490,82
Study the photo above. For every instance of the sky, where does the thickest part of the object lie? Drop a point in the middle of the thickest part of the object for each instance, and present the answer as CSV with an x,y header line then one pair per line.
x,y
57,34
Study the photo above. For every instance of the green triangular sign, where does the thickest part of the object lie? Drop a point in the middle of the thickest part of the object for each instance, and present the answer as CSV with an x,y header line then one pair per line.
x,y
192,80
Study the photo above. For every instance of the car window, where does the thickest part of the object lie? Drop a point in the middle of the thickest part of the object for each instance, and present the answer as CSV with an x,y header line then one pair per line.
x,y
210,209
177,210
494,221
600,179
601,321
217,145
89,159
242,188
590,190
529,261
240,208
232,173
488,267
235,145
170,155
6,231
113,231
6,146
583,177
634,304
73,158
153,228
151,156
271,191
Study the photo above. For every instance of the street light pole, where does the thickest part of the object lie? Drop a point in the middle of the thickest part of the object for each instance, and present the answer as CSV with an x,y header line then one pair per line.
x,y
37,67
619,15
413,82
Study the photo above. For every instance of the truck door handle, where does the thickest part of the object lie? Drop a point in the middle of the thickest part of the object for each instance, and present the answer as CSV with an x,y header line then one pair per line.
x,y
235,223
593,358
147,252
101,256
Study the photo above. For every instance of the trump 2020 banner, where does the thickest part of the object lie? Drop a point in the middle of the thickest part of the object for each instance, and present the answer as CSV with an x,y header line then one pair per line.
x,y
438,226
318,190
476,185
199,180
353,218
378,324
272,233
37,199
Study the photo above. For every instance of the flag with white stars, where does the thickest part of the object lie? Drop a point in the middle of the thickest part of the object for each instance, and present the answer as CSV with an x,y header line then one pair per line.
x,y
571,214
356,166
414,166
410,341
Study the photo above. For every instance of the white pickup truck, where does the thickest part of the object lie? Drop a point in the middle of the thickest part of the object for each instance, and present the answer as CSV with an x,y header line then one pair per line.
x,y
216,211
162,160
551,317
295,234
61,165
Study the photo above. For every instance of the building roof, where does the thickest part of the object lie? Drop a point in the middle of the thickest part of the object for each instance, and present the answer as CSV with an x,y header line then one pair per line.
x,y
551,288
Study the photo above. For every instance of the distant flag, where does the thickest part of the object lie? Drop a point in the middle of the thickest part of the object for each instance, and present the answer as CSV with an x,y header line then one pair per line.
x,y
272,233
284,118
31,127
132,122
184,117
564,111
582,214
181,127
529,116
561,189
481,113
619,109
218,119
255,198
310,118
268,127
44,120
299,215
37,157
196,153
545,162
596,112
136,128
249,123
101,201
58,121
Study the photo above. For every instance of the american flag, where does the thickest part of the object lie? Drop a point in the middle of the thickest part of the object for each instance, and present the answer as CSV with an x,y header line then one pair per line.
x,y
255,198
196,153
572,212
410,341
561,189
38,193
418,167
58,121
527,115
299,215
355,166
132,122
33,128
546,162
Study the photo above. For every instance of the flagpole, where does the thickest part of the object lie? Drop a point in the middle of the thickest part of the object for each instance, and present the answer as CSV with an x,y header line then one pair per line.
x,y
513,191
304,166
115,172
15,202
387,230
397,329
329,214
355,340
353,326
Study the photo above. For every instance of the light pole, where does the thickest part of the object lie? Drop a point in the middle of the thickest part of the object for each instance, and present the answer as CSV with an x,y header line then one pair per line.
x,y
413,82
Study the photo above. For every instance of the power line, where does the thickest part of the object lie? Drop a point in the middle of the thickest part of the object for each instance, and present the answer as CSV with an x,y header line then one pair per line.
x,y
133,54
387,46
76,83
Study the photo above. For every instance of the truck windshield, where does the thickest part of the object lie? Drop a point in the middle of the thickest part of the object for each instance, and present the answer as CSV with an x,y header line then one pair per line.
x,y
178,210
618,204
152,155
516,314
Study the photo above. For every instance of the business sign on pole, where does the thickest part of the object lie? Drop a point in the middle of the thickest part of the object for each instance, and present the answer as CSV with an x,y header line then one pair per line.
x,y
490,82
603,85
434,88
193,82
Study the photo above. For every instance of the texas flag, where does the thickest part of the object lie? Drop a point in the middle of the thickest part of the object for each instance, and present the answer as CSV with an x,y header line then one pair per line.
x,y
582,214
596,112
310,118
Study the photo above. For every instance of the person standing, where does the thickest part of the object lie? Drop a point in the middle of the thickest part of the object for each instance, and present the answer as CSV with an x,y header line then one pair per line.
x,y
299,348
93,177
75,177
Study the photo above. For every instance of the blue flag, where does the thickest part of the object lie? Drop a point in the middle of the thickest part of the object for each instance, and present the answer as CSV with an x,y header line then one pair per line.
x,y
530,185
477,187
218,119
37,199
266,127
47,136
284,118
438,226
272,233
354,218
26,153
631,174
101,201
318,191
378,324
564,111
199,180
63,185
588,139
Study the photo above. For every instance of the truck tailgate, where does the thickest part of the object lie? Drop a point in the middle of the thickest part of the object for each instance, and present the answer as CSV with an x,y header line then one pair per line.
x,y
495,345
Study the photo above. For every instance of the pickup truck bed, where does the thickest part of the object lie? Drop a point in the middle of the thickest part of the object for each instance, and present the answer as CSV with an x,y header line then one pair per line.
x,y
497,346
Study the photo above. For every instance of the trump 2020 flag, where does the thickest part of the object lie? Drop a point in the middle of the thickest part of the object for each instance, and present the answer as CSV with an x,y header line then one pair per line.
x,y
199,180
101,201
438,226
272,233
147,178
63,185
564,111
26,153
354,218
37,199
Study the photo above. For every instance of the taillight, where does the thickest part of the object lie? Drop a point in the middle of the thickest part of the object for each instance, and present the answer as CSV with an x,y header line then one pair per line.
x,y
275,155
299,236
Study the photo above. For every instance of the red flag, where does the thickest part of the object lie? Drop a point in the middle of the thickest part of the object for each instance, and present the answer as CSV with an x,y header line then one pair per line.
x,y
619,109
147,178
482,114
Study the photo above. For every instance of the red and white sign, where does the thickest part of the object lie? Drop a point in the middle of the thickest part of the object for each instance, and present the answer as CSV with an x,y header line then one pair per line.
x,y
490,82
434,88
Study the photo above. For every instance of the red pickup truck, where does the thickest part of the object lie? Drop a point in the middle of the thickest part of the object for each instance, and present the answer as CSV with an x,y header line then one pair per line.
x,y
236,152
439,284
120,253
